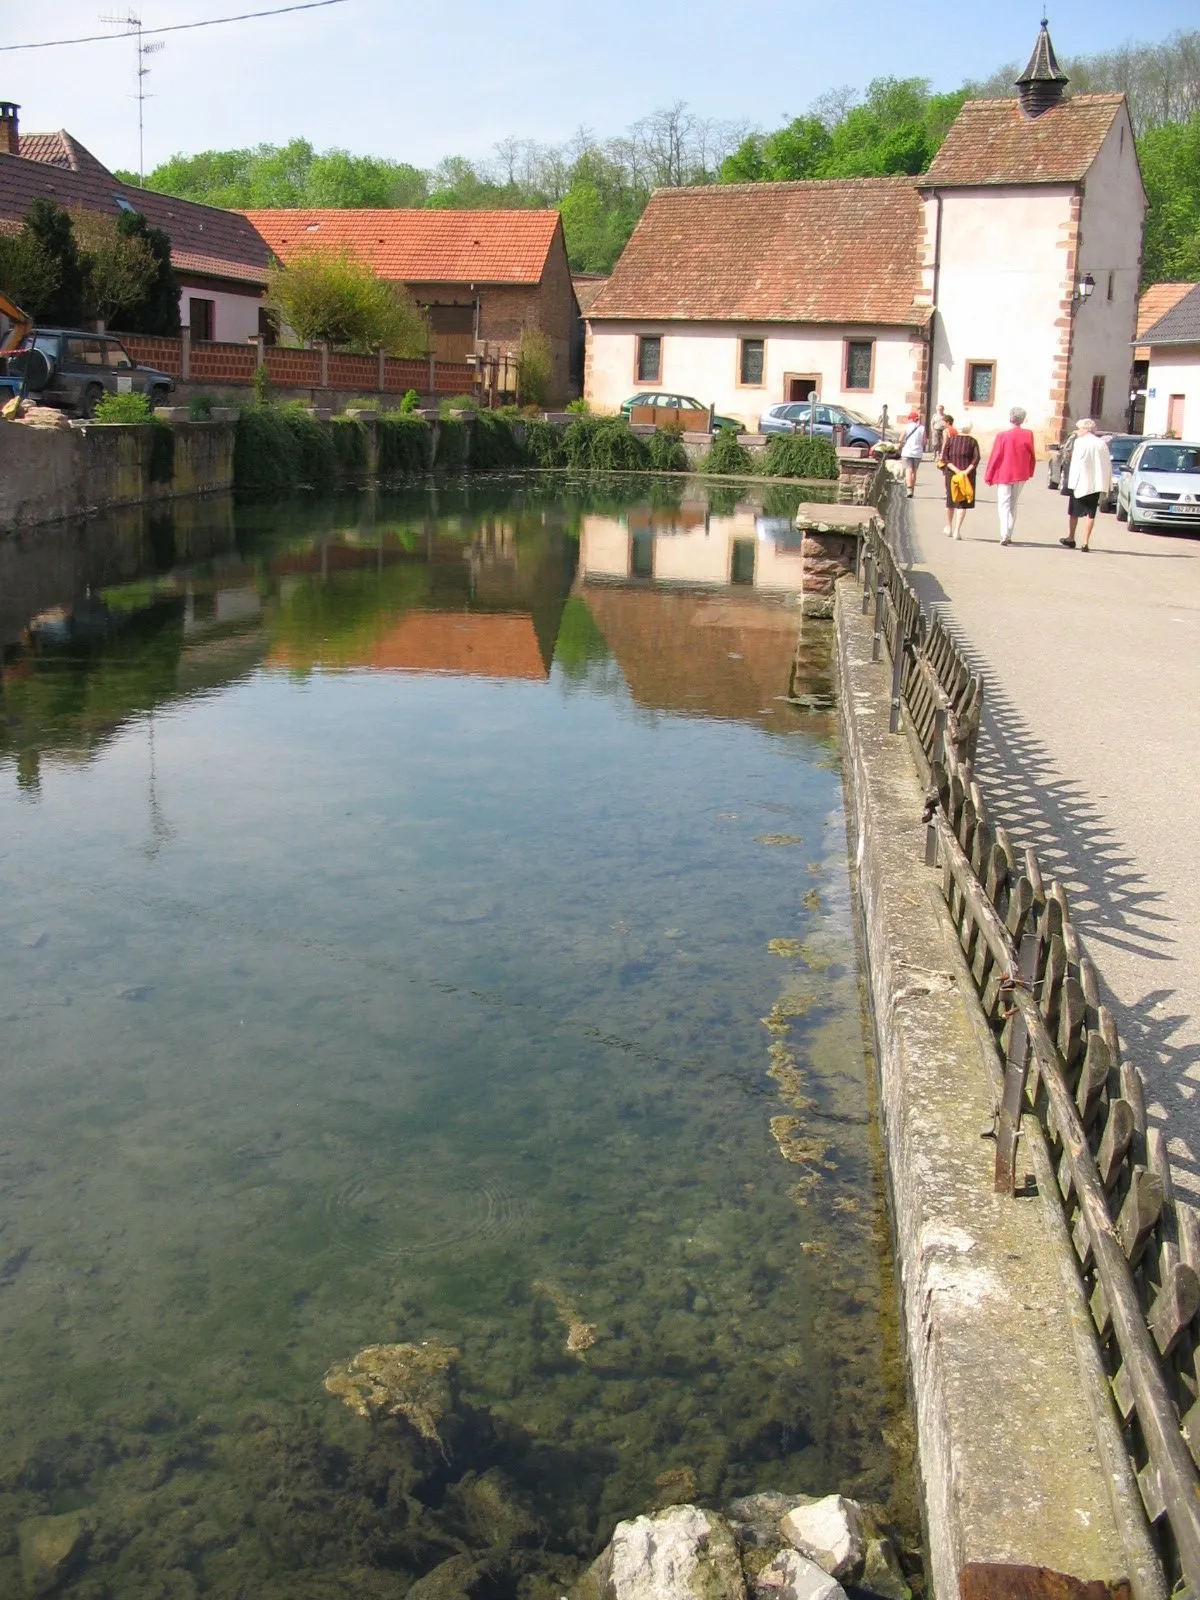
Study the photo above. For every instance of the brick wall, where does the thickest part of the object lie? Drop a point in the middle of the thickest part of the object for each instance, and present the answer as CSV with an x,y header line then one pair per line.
x,y
234,364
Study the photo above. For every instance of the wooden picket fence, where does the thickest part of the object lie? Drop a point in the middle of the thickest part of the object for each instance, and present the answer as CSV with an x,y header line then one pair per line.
x,y
1137,1245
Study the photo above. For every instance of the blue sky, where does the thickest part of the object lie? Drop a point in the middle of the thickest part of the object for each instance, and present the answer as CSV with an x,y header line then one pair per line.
x,y
416,82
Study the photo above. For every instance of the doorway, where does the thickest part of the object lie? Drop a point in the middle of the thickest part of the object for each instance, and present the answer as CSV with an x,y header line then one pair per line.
x,y
1175,416
799,385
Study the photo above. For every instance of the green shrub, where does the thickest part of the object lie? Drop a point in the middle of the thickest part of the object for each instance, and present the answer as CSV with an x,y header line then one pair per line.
x,y
200,408
349,439
728,456
534,364
410,403
403,444
666,450
794,456
605,444
494,443
577,441
580,406
453,404
122,408
262,386
452,445
544,445
317,463
161,468
266,459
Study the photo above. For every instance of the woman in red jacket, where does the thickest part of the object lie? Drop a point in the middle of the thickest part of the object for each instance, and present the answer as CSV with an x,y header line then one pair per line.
x,y
1010,466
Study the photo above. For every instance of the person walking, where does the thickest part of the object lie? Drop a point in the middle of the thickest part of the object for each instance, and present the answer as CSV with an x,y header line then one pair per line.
x,y
912,449
1089,480
937,430
1010,466
961,459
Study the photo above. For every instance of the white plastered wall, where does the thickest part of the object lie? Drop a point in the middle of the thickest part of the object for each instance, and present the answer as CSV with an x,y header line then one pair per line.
x,y
701,360
1004,273
1110,249
235,314
1174,370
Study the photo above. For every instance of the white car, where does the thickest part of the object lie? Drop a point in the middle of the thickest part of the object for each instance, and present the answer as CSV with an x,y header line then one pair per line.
x,y
1160,488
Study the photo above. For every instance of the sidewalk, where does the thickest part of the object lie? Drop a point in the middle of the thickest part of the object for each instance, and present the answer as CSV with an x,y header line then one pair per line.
x,y
1090,750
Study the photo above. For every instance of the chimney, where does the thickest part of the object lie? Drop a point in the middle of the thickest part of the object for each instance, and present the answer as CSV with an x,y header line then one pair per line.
x,y
10,137
1043,83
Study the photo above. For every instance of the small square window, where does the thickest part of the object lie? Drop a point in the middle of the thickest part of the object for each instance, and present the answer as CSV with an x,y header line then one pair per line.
x,y
649,359
751,362
981,382
860,359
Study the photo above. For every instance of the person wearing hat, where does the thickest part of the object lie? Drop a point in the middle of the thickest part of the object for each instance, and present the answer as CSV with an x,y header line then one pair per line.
x,y
912,448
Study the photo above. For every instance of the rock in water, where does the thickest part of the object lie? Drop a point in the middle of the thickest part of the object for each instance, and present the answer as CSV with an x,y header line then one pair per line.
x,y
881,1572
756,1517
829,1532
792,1576
50,1548
679,1554
399,1380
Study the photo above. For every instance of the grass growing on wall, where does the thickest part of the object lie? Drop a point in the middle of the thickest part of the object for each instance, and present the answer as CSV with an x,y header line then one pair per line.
x,y
265,458
666,450
792,456
494,443
544,445
403,444
605,444
316,459
728,456
451,446
349,439
161,466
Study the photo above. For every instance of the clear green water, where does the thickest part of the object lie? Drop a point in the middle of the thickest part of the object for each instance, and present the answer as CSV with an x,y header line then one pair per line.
x,y
386,952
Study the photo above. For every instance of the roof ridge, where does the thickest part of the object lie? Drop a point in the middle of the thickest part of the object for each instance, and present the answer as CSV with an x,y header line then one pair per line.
x,y
891,180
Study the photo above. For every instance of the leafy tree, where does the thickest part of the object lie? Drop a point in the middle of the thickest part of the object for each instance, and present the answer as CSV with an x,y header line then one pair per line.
x,y
1170,158
28,274
118,268
158,310
533,367
49,229
338,299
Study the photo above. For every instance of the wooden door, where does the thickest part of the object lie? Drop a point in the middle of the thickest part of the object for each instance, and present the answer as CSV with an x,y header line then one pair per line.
x,y
1175,415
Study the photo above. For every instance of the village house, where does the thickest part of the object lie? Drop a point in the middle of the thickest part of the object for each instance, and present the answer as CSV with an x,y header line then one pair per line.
x,y
1005,275
220,261
480,276
1173,368
1156,300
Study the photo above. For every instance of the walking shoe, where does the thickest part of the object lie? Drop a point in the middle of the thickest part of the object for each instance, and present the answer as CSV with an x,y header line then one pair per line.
x,y
946,531
1006,541
1068,543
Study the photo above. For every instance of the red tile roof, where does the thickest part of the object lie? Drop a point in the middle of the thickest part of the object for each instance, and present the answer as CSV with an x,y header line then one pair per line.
x,y
422,246
204,239
845,250
992,141
1157,300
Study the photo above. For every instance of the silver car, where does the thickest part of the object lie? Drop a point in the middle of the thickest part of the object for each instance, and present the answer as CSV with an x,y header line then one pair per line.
x,y
1160,488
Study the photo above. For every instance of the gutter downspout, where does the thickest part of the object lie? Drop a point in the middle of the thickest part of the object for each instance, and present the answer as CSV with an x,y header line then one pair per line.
x,y
937,275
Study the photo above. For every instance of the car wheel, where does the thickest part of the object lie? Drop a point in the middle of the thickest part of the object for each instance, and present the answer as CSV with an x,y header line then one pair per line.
x,y
157,396
1134,525
90,399
1122,514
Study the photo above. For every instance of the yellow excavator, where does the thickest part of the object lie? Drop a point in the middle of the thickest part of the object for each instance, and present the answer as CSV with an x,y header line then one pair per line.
x,y
19,326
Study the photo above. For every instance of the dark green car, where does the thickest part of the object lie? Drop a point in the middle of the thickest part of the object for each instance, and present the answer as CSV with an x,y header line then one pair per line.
x,y
71,368
676,402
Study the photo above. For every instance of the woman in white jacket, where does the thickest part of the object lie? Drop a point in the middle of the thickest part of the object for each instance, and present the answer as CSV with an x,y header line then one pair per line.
x,y
1089,480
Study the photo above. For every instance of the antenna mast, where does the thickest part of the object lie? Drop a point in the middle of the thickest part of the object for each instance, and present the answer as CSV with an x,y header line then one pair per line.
x,y
132,24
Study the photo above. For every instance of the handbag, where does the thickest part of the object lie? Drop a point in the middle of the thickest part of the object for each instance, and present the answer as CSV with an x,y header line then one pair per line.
x,y
962,490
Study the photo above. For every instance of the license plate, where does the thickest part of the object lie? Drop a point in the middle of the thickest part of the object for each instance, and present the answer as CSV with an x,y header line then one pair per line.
x,y
1184,511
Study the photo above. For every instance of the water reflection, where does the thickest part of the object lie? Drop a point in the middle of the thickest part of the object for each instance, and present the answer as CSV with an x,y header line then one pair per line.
x,y
413,941
691,545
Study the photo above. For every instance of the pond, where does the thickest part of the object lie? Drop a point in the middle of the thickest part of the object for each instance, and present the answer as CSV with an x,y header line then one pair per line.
x,y
427,922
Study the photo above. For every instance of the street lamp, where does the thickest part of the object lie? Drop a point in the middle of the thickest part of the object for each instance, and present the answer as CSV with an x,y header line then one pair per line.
x,y
1084,287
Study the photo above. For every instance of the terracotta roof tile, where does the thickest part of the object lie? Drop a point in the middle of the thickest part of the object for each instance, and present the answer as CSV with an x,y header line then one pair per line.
x,y
1156,301
204,239
422,246
845,250
991,141
1181,323
587,286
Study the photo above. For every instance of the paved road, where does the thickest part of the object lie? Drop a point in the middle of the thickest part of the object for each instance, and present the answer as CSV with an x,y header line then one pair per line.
x,y
1090,750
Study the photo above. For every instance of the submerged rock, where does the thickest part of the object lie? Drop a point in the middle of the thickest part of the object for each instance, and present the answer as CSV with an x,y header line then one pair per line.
x,y
755,1518
881,1574
50,1548
829,1532
792,1576
398,1380
452,1580
683,1553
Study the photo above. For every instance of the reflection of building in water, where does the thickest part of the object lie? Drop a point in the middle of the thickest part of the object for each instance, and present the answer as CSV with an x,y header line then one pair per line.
x,y
475,644
689,546
713,655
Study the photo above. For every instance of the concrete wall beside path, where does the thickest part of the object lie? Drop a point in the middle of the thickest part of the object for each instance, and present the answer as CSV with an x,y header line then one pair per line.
x,y
1015,1470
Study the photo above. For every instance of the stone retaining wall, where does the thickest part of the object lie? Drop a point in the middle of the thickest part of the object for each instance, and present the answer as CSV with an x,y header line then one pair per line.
x,y
1014,1470
47,474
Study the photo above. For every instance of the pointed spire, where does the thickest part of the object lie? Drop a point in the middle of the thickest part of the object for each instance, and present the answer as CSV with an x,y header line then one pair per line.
x,y
1043,83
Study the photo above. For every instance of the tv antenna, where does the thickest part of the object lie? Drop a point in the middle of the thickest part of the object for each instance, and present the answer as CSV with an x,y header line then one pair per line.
x,y
132,24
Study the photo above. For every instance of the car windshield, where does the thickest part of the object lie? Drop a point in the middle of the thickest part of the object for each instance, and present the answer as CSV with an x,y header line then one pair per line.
x,y
1171,458
1121,449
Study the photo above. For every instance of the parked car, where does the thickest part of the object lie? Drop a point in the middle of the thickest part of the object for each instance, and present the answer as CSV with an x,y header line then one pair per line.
x,y
792,417
1160,488
1057,463
71,369
675,402
1120,447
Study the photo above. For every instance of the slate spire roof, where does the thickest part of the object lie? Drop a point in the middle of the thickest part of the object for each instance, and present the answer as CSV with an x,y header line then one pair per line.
x,y
1043,83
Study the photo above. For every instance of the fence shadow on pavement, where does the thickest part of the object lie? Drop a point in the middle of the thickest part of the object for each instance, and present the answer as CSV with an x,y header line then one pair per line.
x,y
1111,900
